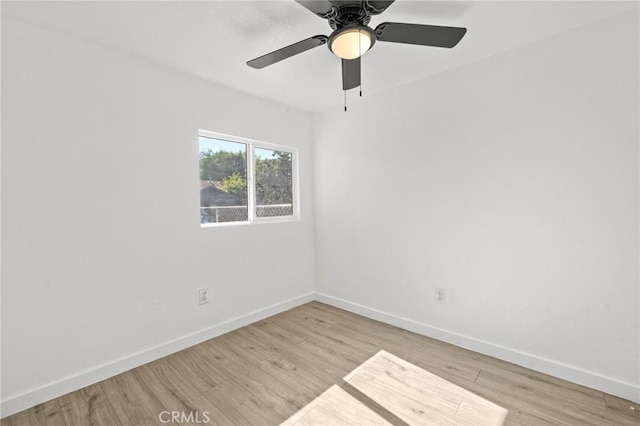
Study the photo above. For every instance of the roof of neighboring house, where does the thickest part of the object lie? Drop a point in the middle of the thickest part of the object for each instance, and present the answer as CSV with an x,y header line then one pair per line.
x,y
206,183
212,196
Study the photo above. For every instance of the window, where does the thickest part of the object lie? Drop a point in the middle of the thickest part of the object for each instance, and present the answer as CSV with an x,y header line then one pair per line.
x,y
244,181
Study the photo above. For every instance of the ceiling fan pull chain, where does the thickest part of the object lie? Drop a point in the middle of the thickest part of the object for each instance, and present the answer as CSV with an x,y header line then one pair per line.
x,y
345,100
360,52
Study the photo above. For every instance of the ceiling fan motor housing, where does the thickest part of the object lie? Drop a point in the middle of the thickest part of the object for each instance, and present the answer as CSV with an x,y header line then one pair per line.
x,y
349,14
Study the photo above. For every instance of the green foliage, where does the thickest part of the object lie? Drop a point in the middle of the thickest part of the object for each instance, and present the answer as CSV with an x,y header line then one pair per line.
x,y
216,166
235,185
273,179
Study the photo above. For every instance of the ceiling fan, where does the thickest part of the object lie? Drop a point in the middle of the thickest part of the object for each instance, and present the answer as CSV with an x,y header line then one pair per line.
x,y
351,37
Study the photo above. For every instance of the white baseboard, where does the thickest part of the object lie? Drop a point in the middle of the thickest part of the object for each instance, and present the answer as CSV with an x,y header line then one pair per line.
x,y
49,391
563,371
52,390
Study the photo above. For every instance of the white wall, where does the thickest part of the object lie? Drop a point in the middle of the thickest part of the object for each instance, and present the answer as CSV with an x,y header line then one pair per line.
x,y
514,186
512,183
102,250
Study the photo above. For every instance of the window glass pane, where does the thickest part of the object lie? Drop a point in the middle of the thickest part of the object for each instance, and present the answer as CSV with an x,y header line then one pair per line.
x,y
223,181
274,184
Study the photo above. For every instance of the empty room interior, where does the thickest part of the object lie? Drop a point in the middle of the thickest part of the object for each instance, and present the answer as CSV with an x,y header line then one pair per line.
x,y
322,212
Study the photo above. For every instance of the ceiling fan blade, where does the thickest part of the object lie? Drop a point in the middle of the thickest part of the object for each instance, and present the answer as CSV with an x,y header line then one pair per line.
x,y
340,3
350,73
287,52
376,7
425,35
322,8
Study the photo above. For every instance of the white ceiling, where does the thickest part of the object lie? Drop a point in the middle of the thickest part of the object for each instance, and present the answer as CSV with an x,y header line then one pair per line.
x,y
214,39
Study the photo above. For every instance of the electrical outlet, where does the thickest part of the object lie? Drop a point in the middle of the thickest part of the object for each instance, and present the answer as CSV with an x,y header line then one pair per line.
x,y
440,296
203,296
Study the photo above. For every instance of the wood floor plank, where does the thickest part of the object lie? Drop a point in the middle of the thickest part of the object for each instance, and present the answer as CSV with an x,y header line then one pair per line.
x,y
310,319
424,357
282,399
88,406
191,366
292,355
563,408
562,397
175,392
21,418
47,413
131,400
521,411
499,367
275,366
335,407
622,407
242,406
420,397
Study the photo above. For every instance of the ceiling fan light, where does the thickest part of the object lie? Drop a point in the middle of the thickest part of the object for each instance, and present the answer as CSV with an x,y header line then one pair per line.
x,y
351,42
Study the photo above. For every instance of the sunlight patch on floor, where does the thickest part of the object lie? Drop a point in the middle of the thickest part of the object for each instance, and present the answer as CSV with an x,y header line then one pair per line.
x,y
411,394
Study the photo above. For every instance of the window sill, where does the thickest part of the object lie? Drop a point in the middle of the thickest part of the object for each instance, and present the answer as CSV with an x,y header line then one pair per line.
x,y
255,222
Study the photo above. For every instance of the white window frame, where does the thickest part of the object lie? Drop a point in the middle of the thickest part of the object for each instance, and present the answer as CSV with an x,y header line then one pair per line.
x,y
251,179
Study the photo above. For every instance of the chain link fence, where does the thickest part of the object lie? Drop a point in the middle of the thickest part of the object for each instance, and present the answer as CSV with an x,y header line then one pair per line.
x,y
274,210
241,213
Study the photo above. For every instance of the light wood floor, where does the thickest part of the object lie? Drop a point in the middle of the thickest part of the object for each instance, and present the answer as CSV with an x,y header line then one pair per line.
x,y
264,373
